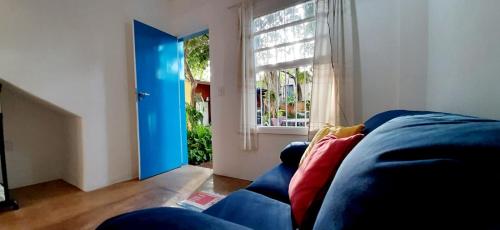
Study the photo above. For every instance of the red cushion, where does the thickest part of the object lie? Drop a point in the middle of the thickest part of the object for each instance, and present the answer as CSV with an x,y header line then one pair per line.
x,y
316,171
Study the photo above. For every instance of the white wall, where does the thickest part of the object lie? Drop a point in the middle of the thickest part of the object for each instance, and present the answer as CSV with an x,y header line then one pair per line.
x,y
433,55
35,139
464,57
413,30
379,43
78,55
73,157
392,55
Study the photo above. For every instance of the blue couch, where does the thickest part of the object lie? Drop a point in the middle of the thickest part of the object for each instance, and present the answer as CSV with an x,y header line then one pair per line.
x,y
413,170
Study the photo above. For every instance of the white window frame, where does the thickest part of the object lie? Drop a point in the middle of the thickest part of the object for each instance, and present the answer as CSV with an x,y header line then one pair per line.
x,y
284,130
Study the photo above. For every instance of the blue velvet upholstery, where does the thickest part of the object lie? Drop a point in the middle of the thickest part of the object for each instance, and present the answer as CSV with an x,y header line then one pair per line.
x,y
292,153
381,118
274,183
167,218
433,171
253,210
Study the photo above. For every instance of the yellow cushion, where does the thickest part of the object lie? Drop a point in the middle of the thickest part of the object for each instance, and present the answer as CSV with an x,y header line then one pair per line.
x,y
342,132
338,131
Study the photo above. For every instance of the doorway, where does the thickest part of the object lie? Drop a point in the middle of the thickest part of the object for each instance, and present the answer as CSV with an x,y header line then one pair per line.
x,y
160,96
173,100
197,98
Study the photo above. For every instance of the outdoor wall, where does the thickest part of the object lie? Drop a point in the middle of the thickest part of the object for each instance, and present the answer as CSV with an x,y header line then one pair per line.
x,y
78,56
464,57
187,92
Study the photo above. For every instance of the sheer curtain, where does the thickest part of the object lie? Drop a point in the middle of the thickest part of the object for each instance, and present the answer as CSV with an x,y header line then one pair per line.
x,y
332,91
247,78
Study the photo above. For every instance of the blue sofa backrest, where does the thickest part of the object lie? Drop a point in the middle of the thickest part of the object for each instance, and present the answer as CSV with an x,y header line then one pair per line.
x,y
427,171
383,117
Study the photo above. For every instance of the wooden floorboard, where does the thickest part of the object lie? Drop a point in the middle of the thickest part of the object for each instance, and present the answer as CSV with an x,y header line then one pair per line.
x,y
223,185
59,205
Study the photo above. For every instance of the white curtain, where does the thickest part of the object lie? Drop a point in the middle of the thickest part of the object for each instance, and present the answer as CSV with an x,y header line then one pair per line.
x,y
247,78
332,93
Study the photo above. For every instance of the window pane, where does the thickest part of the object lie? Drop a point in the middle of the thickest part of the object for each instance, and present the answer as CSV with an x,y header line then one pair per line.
x,y
278,18
261,23
280,37
309,9
265,57
269,21
291,15
310,28
259,58
309,49
271,60
258,41
288,15
284,54
299,12
263,40
284,95
293,34
296,52
285,35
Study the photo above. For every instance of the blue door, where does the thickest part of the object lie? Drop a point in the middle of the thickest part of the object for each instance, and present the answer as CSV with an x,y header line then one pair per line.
x,y
160,100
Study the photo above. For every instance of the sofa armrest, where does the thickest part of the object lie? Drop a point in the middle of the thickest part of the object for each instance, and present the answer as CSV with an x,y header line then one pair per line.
x,y
292,153
167,218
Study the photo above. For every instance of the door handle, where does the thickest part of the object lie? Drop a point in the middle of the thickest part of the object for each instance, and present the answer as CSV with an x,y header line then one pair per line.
x,y
142,95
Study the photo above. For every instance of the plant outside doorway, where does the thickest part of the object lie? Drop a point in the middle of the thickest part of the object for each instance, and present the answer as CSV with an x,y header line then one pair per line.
x,y
197,88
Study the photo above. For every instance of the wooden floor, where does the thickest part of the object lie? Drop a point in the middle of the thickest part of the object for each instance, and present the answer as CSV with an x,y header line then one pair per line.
x,y
58,205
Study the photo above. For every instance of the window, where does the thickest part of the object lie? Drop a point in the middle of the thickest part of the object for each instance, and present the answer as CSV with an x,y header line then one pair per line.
x,y
284,48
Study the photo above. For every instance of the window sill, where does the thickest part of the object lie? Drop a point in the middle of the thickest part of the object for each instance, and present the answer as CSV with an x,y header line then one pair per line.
x,y
302,131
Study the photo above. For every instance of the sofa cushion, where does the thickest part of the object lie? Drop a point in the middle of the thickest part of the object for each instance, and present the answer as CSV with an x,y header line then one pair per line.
x,y
292,153
166,218
433,171
253,210
316,171
274,183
